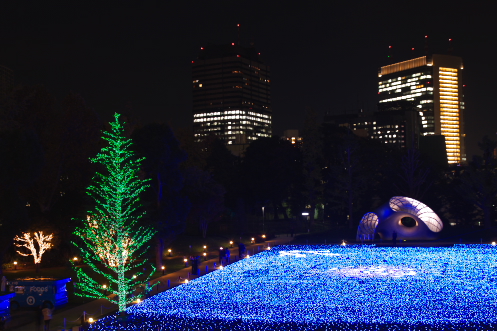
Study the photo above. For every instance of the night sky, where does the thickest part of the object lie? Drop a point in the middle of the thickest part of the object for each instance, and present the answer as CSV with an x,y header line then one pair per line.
x,y
323,54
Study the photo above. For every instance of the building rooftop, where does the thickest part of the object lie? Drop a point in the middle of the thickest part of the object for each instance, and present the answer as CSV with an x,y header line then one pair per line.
x,y
212,51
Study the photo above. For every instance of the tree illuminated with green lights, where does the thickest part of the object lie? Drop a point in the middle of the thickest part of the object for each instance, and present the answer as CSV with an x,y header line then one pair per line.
x,y
112,243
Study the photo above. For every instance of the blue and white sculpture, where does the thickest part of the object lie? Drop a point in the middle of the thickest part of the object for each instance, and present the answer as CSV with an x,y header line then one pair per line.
x,y
407,217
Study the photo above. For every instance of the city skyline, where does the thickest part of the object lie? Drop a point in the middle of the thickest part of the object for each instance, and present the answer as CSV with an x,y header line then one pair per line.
x,y
322,56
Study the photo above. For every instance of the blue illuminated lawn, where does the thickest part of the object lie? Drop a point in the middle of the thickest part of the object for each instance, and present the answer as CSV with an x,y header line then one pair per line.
x,y
333,287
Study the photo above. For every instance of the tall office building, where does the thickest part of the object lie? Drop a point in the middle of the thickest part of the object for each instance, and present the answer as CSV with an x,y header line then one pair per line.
x,y
396,125
433,83
231,95
6,81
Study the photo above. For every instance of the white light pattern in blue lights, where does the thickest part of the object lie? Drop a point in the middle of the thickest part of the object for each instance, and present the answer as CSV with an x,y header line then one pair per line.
x,y
332,288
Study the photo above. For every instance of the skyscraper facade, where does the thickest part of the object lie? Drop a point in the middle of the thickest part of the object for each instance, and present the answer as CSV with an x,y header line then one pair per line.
x,y
434,85
231,95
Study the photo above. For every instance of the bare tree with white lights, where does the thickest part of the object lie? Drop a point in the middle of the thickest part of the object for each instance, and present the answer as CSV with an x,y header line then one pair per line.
x,y
36,251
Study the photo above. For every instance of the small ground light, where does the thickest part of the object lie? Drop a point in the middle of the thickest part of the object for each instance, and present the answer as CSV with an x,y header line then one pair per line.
x,y
186,281
104,286
134,276
493,243
75,258
169,252
91,320
343,243
221,267
268,248
138,300
186,262
247,256
264,236
253,240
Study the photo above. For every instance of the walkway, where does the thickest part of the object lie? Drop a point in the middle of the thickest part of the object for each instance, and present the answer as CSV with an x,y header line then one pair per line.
x,y
97,308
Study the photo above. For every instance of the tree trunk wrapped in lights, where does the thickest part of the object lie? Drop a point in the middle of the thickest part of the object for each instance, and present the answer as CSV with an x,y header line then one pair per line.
x,y
43,245
112,241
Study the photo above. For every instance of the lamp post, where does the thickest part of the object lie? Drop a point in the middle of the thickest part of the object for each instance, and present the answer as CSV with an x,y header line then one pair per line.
x,y
163,270
306,215
263,219
15,265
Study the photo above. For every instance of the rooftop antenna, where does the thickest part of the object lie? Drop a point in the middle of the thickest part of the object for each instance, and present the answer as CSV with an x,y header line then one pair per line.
x,y
238,26
390,54
451,48
426,45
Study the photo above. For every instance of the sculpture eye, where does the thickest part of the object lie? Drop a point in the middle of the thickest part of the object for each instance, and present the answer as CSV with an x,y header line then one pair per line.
x,y
408,222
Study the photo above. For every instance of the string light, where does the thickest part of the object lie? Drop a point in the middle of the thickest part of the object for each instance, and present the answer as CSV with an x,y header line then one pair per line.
x,y
334,288
112,242
26,241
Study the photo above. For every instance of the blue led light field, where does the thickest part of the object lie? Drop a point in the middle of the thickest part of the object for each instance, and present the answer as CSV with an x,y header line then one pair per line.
x,y
333,288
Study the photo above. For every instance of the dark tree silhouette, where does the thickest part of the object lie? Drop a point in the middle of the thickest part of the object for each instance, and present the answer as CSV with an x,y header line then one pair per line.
x,y
167,206
20,165
346,172
478,182
206,196
415,180
311,155
270,169
68,134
